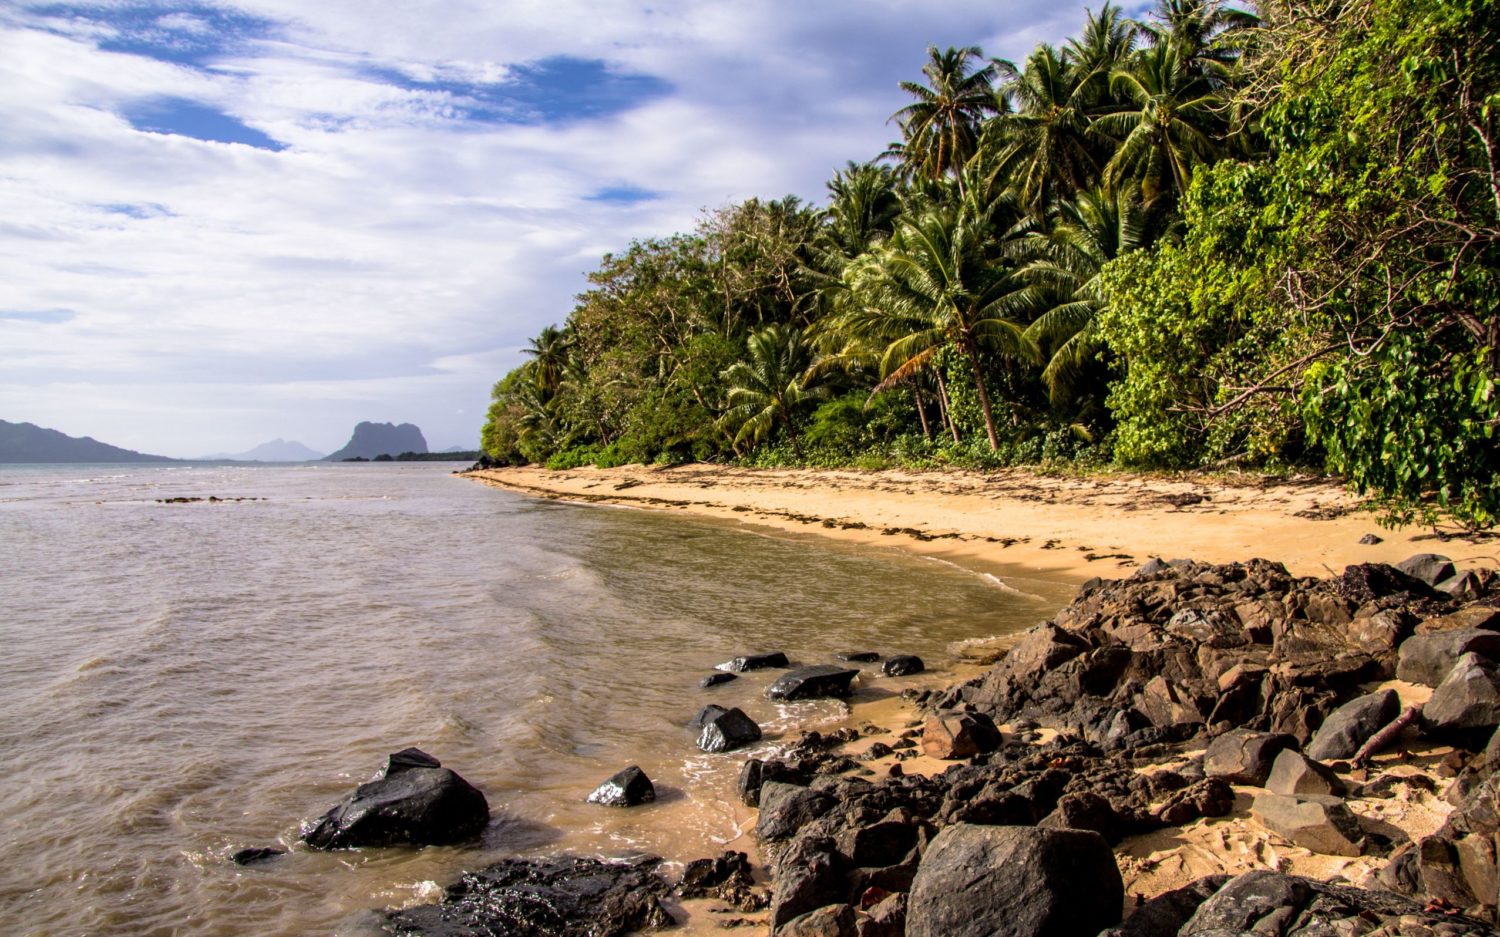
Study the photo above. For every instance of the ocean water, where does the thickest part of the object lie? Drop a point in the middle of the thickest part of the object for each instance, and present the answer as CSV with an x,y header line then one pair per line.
x,y
182,680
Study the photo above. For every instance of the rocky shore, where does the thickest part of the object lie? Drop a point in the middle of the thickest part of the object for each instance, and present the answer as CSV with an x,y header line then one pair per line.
x,y
1195,750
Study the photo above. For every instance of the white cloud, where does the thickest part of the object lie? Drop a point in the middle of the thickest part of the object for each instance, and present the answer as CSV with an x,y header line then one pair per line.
x,y
389,264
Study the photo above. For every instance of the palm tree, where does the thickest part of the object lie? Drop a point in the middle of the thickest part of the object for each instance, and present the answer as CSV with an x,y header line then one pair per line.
x,y
1168,127
1209,36
550,352
771,386
940,130
1064,265
1107,43
933,286
1046,142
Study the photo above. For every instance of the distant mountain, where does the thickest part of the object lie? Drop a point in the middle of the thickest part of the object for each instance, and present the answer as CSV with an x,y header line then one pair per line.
x,y
277,450
26,442
376,439
460,449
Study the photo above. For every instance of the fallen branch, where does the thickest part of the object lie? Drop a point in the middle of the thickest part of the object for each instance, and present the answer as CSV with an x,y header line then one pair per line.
x,y
1387,735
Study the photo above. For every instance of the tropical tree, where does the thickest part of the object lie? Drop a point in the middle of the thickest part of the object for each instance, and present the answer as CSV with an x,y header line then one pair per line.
x,y
1046,140
933,285
940,129
771,386
549,353
1107,43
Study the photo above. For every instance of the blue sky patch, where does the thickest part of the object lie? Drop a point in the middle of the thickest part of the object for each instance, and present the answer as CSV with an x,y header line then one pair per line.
x,y
143,210
185,118
194,34
44,316
626,194
555,90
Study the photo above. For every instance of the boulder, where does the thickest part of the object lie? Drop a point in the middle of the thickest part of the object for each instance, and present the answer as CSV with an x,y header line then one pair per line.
x,y
834,920
564,896
1427,658
857,657
1244,756
1014,880
1210,797
714,679
707,713
959,735
903,665
885,918
754,774
1085,810
1428,567
727,730
1465,707
748,662
628,788
819,680
786,808
808,876
1295,773
1164,915
1352,724
1466,586
413,801
1315,822
882,843
1365,582
1468,618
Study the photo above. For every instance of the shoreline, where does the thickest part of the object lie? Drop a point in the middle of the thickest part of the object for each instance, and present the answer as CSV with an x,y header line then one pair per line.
x,y
1071,529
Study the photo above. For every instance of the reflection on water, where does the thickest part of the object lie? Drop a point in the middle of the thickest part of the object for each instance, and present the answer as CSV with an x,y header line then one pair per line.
x,y
185,680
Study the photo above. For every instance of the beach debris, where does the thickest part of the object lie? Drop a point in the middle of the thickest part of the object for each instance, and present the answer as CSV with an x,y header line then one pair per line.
x,y
1015,880
726,730
817,681
714,679
1244,756
562,896
255,855
750,662
959,735
414,800
903,665
1351,725
627,788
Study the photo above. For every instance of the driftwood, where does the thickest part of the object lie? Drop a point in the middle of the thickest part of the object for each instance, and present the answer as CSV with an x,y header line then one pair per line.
x,y
1386,735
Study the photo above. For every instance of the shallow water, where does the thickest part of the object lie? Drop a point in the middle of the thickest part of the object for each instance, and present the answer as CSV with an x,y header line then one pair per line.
x,y
180,681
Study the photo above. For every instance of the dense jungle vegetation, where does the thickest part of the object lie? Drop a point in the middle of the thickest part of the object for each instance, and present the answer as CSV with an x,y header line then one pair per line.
x,y
1214,237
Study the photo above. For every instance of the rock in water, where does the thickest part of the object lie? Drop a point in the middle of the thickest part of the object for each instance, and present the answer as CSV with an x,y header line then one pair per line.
x,y
255,855
414,801
976,881
754,662
857,657
727,730
903,665
560,897
812,683
628,788
714,679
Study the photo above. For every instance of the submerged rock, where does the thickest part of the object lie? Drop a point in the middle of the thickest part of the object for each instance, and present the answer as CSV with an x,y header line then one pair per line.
x,y
726,730
628,788
857,657
256,855
749,662
413,801
714,679
559,897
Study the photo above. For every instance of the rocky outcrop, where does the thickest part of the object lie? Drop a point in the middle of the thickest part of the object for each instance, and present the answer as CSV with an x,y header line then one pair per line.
x,y
371,440
413,801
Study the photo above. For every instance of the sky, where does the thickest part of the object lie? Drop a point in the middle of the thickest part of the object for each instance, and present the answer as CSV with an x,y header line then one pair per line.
x,y
227,222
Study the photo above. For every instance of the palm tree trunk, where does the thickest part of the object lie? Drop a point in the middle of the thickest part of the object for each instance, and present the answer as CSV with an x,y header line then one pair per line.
x,y
916,392
984,399
944,405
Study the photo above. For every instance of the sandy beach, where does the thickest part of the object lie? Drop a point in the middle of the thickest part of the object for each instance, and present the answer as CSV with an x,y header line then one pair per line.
x,y
1069,527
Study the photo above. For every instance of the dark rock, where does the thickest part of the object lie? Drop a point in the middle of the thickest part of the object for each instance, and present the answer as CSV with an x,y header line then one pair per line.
x,y
1369,540
1210,797
835,920
885,918
727,730
809,876
1465,707
959,735
1467,586
255,855
1244,756
1269,903
728,878
1319,823
903,665
707,714
1468,618
1428,567
1295,773
559,897
1014,880
1164,915
882,843
628,788
414,801
877,750
1352,724
819,680
754,662
714,679
857,657
1365,582
755,773
786,808
1427,658
1085,810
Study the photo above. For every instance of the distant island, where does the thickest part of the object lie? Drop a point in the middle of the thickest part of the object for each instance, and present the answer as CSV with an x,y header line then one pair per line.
x,y
447,455
27,442
371,440
277,450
